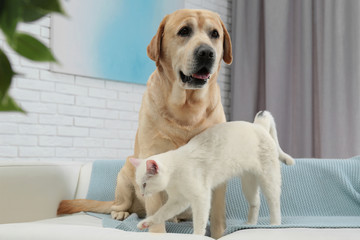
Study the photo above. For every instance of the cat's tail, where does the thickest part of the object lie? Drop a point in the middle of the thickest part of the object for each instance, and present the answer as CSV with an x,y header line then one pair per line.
x,y
265,119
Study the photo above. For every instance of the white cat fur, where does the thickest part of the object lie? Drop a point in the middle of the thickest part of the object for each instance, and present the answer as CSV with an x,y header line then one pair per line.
x,y
189,173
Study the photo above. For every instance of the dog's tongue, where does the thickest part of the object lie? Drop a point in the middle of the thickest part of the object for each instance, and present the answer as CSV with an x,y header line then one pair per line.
x,y
201,76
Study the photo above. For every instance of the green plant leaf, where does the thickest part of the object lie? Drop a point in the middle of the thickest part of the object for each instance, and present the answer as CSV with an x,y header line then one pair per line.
x,y
36,9
31,13
9,16
48,5
31,48
8,104
6,74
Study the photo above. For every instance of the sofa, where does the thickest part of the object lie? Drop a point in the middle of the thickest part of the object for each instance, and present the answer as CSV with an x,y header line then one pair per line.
x,y
31,191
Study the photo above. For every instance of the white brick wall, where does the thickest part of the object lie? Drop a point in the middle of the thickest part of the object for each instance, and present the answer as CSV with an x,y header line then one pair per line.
x,y
72,117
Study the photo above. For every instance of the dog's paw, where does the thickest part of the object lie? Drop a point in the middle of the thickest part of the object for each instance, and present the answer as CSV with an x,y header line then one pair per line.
x,y
144,224
174,220
119,215
251,222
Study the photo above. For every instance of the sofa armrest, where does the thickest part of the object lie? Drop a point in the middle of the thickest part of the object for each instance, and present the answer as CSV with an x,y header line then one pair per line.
x,y
84,181
32,190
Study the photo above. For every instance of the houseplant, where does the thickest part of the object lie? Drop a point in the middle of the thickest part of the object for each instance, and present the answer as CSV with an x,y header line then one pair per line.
x,y
13,12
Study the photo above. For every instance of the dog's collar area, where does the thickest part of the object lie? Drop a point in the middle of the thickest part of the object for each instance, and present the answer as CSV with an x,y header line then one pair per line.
x,y
197,79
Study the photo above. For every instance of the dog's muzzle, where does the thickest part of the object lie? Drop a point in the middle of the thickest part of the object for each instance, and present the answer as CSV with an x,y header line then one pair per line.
x,y
204,57
198,78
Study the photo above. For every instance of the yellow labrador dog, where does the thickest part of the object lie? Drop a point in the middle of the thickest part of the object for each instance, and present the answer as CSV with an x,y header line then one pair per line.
x,y
182,99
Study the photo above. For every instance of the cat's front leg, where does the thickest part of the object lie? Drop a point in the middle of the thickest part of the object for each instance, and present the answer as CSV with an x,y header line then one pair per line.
x,y
172,207
153,204
146,223
201,209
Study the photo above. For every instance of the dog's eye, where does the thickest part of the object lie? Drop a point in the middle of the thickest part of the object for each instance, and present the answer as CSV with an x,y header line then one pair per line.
x,y
214,34
184,32
144,185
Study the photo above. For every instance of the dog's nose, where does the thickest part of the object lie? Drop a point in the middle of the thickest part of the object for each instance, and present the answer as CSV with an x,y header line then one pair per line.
x,y
205,53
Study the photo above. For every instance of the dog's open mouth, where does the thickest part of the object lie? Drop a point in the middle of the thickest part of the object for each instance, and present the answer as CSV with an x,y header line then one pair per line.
x,y
199,78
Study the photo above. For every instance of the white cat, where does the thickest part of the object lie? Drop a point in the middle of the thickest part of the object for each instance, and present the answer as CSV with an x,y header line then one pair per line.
x,y
189,173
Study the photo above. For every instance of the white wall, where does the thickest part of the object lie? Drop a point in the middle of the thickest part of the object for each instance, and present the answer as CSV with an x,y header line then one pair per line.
x,y
71,117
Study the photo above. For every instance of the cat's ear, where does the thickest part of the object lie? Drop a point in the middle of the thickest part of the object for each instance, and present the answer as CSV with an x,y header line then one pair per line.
x,y
151,167
135,161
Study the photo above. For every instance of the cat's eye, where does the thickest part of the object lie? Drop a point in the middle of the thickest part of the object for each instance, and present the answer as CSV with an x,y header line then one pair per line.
x,y
144,185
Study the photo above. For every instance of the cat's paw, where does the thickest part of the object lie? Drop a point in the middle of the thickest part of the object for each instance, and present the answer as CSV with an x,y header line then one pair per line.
x,y
119,215
144,224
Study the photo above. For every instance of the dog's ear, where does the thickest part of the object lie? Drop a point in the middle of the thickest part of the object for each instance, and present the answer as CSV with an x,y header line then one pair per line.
x,y
135,161
227,55
154,48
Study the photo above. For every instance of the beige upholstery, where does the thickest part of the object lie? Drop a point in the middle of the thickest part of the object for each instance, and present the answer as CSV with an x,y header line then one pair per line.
x,y
32,190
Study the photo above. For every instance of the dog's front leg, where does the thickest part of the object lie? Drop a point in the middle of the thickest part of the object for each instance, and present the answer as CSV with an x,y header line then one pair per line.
x,y
152,205
124,195
217,214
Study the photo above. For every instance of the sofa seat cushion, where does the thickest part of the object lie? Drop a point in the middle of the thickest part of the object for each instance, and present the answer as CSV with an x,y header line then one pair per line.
x,y
81,218
295,234
79,226
83,226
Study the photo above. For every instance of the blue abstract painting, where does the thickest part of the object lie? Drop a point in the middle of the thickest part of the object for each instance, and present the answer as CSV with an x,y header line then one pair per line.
x,y
108,39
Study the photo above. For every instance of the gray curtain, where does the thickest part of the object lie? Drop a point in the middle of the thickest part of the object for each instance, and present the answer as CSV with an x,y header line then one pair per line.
x,y
300,59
